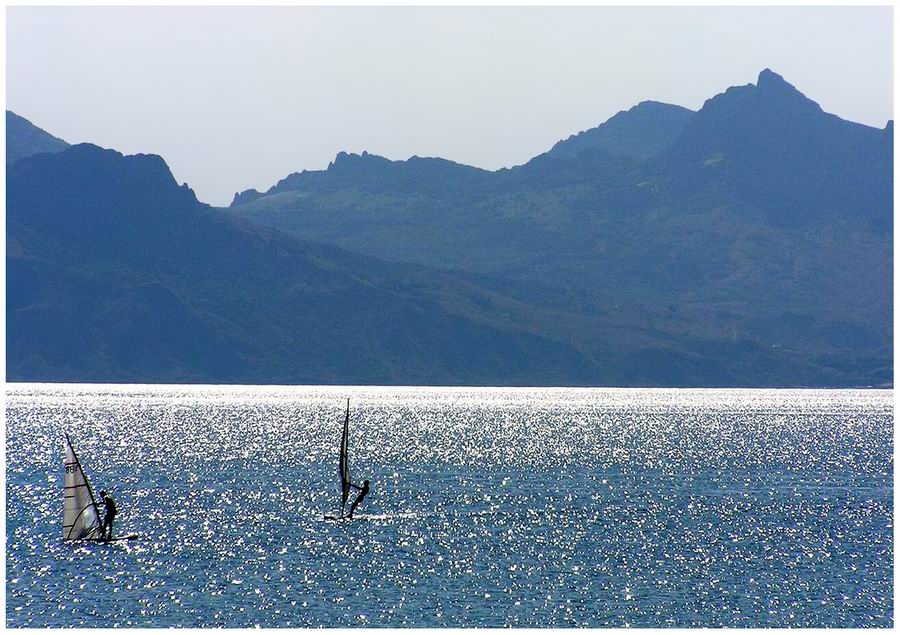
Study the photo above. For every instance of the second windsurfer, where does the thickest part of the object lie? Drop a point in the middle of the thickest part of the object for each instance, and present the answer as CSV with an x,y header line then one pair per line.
x,y
363,491
111,511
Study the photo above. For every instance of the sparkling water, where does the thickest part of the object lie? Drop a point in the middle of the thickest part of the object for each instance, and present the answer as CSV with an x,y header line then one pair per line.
x,y
488,507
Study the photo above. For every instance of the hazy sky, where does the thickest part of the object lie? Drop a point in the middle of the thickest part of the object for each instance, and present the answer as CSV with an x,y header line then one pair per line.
x,y
234,98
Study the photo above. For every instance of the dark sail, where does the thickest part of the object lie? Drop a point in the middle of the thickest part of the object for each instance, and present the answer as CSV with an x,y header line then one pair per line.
x,y
344,463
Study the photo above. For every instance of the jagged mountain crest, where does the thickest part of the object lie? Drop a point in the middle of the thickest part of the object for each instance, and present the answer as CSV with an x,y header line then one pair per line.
x,y
741,220
375,173
118,274
751,250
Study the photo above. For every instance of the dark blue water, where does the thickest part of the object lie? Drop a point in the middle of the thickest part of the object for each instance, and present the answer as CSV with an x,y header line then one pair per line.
x,y
489,507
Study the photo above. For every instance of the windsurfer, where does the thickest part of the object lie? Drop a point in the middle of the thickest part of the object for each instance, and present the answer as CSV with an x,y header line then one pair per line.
x,y
363,491
111,512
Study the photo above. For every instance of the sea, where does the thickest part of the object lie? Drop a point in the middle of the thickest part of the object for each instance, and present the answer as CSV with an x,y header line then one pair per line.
x,y
489,507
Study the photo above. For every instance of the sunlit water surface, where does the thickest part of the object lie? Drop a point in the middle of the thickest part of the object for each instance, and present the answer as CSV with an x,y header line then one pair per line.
x,y
489,507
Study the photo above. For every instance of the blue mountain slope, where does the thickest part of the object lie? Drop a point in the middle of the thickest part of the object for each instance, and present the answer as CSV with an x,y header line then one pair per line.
x,y
115,273
24,139
641,132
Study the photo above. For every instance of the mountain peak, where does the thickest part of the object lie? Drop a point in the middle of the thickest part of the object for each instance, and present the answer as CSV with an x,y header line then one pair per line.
x,y
773,84
768,77
104,185
779,151
351,160
649,105
247,196
639,132
771,94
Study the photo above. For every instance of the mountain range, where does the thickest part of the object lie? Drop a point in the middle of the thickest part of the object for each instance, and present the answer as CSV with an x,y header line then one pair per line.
x,y
748,243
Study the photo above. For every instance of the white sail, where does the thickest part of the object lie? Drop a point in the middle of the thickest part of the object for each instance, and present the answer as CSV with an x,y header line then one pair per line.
x,y
81,518
343,461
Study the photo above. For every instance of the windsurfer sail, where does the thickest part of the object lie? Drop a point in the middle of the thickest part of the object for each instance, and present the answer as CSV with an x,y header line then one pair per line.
x,y
81,516
344,473
343,461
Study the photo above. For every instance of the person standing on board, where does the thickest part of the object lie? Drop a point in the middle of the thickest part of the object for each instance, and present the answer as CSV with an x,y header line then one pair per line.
x,y
111,512
359,497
